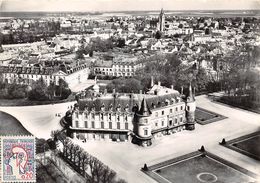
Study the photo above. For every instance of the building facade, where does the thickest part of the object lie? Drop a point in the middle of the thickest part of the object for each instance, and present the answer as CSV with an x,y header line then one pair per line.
x,y
132,117
27,75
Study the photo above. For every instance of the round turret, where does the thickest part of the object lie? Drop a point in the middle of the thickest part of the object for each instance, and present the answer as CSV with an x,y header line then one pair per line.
x,y
190,111
143,132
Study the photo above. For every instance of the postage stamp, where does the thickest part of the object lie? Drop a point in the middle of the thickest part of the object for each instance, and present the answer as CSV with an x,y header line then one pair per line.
x,y
18,159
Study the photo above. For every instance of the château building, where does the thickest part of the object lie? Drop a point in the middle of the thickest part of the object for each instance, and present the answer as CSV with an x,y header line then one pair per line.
x,y
132,117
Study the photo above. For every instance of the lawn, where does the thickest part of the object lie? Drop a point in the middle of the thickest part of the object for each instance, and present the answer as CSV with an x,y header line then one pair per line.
x,y
197,168
11,126
251,145
204,117
248,145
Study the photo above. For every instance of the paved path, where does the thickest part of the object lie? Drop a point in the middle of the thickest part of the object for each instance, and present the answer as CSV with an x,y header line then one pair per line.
x,y
76,87
127,159
39,120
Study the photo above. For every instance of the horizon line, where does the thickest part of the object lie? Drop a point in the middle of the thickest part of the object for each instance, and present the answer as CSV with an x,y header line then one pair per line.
x,y
101,11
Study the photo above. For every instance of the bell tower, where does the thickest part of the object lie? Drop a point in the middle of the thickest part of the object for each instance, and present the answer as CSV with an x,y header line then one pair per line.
x,y
161,24
190,110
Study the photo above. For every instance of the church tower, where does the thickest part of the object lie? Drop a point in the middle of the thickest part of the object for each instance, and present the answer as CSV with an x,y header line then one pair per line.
x,y
190,110
161,23
143,133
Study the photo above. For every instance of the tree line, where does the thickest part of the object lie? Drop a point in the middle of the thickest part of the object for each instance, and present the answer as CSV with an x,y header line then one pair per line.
x,y
87,165
38,91
169,70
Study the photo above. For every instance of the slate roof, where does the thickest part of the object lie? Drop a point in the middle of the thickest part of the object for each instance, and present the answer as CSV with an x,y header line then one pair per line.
x,y
27,70
113,102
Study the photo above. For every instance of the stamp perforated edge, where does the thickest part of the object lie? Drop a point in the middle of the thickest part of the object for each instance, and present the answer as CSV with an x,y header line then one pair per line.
x,y
1,157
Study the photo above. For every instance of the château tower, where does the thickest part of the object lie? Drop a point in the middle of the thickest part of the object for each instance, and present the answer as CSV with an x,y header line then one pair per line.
x,y
143,128
190,110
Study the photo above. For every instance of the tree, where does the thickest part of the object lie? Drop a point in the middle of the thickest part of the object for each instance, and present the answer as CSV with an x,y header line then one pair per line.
x,y
41,145
120,42
125,85
51,90
39,91
63,89
1,42
158,35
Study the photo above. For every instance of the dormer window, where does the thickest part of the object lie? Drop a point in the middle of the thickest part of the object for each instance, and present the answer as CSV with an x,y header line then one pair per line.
x,y
135,108
111,107
153,105
178,99
102,107
86,108
127,108
167,102
93,108
118,108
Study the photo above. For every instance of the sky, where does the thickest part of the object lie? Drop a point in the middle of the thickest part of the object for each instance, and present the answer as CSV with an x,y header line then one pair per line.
x,y
125,5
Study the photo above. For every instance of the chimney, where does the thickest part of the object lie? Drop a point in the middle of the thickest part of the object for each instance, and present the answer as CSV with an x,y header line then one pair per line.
x,y
141,91
172,87
114,91
182,90
105,91
159,83
152,81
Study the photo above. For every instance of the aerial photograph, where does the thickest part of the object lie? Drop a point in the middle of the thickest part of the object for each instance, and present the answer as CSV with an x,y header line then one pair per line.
x,y
130,91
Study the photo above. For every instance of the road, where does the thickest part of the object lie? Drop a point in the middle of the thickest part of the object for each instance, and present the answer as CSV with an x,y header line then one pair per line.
x,y
39,120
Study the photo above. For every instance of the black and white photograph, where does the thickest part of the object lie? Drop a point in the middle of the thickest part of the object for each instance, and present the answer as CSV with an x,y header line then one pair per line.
x,y
130,91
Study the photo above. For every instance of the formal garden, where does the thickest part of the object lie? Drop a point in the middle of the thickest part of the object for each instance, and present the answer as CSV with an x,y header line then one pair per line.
x,y
197,167
204,116
247,145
